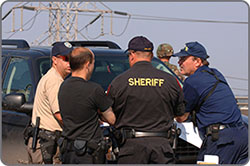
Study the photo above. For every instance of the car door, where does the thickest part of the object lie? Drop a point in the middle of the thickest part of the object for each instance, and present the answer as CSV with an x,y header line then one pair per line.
x,y
16,79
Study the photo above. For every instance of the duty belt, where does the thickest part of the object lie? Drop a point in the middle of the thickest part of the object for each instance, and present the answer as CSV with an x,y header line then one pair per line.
x,y
131,133
215,128
43,133
221,127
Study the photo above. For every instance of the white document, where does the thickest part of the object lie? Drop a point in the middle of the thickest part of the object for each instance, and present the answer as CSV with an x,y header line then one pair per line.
x,y
189,133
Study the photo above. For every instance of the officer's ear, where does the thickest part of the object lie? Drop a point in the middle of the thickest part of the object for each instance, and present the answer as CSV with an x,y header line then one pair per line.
x,y
198,62
54,59
152,55
86,65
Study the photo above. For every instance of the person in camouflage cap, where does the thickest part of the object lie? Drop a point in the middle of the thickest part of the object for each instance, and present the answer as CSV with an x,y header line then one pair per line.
x,y
164,53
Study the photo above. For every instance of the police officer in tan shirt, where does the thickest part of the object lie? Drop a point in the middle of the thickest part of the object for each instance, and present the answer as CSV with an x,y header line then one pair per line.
x,y
47,109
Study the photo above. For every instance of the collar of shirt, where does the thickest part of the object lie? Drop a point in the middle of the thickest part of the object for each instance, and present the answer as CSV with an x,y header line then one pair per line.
x,y
142,63
202,68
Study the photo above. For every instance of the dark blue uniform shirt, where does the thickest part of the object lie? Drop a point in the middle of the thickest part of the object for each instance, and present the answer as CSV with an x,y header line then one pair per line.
x,y
220,107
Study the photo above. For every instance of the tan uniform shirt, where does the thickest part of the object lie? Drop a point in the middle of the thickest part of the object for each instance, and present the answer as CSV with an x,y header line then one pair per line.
x,y
46,100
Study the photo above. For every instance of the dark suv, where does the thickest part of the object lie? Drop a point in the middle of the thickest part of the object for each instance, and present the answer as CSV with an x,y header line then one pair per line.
x,y
23,66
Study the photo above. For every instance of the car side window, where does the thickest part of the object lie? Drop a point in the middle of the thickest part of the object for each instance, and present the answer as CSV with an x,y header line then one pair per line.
x,y
17,78
44,65
107,68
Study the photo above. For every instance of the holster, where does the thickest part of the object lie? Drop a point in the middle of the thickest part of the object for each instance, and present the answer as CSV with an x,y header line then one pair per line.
x,y
48,144
119,137
213,130
173,135
98,151
112,143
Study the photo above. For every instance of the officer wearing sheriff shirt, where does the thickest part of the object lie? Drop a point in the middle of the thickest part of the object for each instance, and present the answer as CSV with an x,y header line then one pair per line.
x,y
145,102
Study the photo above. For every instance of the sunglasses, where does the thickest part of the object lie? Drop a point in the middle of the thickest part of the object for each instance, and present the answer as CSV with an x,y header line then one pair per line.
x,y
64,58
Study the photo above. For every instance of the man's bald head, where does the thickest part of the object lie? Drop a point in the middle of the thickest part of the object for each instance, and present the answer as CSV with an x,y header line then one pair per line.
x,y
79,57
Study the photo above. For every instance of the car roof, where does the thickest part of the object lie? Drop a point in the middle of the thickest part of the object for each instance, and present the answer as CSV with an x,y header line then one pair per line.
x,y
29,52
110,52
20,47
45,51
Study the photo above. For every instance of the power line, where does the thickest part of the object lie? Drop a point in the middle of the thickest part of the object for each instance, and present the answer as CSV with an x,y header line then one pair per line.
x,y
157,18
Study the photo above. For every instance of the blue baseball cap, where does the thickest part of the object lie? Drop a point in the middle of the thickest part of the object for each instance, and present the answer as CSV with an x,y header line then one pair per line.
x,y
61,48
194,49
140,43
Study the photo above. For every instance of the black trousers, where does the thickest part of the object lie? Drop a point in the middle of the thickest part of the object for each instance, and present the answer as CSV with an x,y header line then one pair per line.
x,y
147,150
70,157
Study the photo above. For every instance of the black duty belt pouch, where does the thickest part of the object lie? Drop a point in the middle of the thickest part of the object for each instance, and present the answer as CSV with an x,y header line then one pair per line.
x,y
27,133
80,147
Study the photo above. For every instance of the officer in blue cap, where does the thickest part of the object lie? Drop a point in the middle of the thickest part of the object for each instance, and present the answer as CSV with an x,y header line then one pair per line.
x,y
213,108
145,102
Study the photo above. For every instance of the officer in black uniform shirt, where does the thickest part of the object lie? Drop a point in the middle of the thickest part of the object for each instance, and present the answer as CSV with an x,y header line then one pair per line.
x,y
145,102
79,101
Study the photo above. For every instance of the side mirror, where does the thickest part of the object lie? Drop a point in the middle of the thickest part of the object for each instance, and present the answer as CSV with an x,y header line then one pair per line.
x,y
16,102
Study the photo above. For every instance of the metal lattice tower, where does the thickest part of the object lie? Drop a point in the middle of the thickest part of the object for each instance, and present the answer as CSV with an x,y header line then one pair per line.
x,y
62,25
63,22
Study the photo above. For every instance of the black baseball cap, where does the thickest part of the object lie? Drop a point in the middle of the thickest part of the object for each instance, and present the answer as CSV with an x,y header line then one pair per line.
x,y
61,48
194,49
140,43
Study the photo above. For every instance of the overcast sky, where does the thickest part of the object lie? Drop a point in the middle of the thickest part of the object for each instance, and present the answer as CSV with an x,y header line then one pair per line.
x,y
222,27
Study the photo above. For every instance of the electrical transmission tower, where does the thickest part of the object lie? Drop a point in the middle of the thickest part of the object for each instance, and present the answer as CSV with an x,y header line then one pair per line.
x,y
63,21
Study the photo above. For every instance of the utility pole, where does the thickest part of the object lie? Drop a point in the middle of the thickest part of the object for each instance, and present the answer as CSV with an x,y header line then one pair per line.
x,y
63,21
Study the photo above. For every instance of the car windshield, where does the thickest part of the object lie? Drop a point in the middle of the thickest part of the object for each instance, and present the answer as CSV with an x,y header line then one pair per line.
x,y
108,67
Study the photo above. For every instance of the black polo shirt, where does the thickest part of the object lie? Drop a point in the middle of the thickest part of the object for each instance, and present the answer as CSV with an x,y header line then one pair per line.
x,y
79,101
145,98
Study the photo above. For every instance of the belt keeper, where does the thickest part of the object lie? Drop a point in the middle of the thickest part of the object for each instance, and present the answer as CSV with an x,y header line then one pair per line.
x,y
133,133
